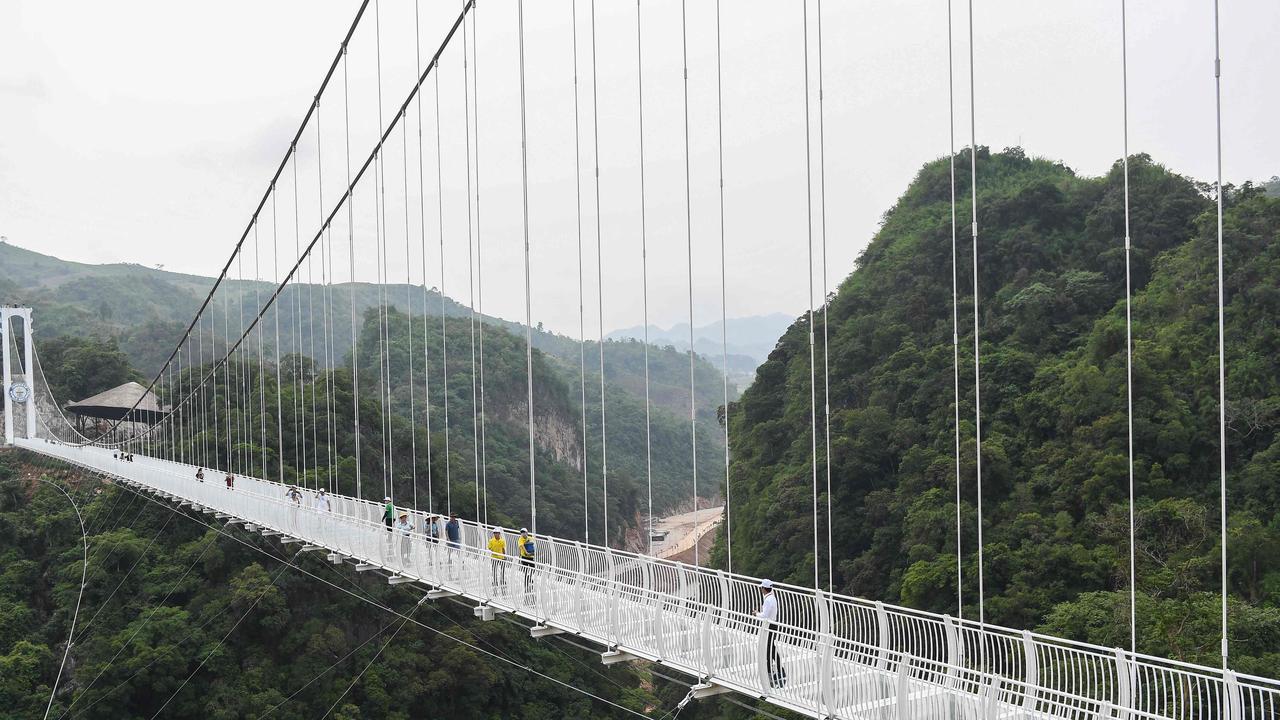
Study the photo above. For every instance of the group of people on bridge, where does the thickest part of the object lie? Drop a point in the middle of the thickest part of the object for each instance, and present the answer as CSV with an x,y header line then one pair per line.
x,y
437,528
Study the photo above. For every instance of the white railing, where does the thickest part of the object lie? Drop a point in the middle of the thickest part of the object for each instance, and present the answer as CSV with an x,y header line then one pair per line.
x,y
844,656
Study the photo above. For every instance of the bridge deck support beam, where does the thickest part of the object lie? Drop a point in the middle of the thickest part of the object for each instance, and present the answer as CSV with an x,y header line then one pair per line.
x,y
539,631
707,689
612,657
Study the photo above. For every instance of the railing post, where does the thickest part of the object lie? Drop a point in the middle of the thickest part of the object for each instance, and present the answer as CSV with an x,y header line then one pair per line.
x,y
704,637
1124,689
722,624
904,687
656,608
577,589
614,630
1031,674
991,704
882,639
826,659
762,659
1234,709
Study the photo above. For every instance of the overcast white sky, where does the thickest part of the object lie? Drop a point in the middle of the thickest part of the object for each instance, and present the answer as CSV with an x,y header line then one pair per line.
x,y
146,131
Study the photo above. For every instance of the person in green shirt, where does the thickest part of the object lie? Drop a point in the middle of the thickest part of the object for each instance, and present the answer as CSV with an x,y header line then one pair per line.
x,y
388,513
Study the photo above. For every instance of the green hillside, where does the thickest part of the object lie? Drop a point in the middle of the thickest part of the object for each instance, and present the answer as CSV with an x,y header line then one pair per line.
x,y
1051,278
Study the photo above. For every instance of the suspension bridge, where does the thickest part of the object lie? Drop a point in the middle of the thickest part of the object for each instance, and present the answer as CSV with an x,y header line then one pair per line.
x,y
844,657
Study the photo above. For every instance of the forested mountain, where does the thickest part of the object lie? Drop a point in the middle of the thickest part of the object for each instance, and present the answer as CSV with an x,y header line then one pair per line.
x,y
147,309
201,624
1054,468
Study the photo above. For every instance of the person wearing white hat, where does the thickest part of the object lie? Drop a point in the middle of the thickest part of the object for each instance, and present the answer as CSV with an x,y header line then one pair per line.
x,y
769,615
498,557
322,501
388,513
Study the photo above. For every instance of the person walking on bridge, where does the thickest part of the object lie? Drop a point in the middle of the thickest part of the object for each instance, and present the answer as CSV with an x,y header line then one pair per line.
x,y
405,528
200,475
453,533
231,481
768,616
322,502
498,558
388,513
526,546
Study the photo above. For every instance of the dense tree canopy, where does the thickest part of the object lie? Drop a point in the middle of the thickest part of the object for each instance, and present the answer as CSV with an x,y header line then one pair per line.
x,y
1054,449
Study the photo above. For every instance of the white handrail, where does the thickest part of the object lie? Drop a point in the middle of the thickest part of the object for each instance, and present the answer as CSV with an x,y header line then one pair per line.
x,y
701,621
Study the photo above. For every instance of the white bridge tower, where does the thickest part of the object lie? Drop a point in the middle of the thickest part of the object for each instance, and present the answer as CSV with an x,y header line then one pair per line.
x,y
19,387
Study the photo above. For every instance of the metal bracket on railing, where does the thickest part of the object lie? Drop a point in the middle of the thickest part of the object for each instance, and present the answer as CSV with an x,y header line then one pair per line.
x,y
1031,676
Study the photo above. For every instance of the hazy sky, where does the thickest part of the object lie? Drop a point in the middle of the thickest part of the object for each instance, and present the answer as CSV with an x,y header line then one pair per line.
x,y
147,131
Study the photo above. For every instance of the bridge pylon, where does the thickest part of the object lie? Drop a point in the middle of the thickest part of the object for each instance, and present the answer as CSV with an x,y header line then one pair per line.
x,y
19,387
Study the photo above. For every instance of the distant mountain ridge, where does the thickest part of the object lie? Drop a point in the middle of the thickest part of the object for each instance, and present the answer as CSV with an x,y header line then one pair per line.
x,y
748,340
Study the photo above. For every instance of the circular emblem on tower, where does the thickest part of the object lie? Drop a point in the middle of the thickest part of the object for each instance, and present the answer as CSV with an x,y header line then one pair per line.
x,y
20,392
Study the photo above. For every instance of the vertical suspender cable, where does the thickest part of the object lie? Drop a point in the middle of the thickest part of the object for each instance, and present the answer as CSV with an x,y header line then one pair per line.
x,y
326,275
444,341
724,295
351,257
300,390
275,254
582,322
644,275
595,133
408,297
384,339
262,379
471,286
977,380
475,118
422,227
813,382
826,361
311,349
528,294
955,302
1222,361
1128,326
688,221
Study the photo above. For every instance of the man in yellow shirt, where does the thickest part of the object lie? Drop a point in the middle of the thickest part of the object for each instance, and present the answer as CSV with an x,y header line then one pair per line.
x,y
498,557
526,546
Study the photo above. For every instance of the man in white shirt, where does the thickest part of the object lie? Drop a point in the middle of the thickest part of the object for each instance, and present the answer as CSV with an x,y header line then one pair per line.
x,y
769,615
322,502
